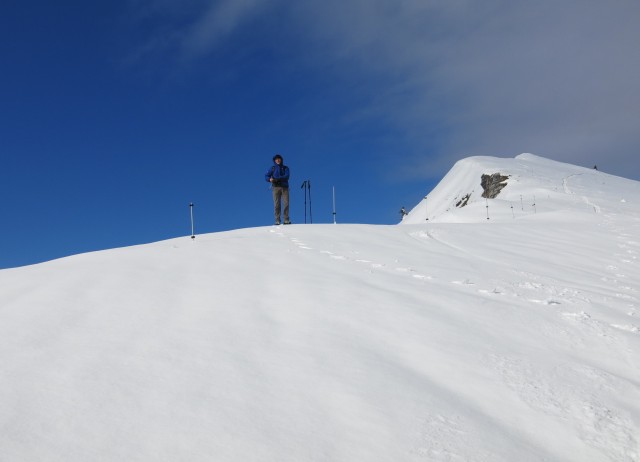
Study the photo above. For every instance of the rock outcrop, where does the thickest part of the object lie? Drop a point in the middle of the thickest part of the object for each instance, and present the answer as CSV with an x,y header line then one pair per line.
x,y
493,184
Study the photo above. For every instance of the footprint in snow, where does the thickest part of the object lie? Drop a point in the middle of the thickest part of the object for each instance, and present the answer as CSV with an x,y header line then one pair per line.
x,y
626,327
421,276
300,244
491,292
466,282
581,316
546,302
626,297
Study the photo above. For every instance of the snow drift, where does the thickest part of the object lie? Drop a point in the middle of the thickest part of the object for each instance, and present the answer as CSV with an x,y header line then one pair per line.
x,y
454,338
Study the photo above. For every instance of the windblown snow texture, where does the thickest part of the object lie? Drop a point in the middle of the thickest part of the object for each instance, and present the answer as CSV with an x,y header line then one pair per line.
x,y
455,338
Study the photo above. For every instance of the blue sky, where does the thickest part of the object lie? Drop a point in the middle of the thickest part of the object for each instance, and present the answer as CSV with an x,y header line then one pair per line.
x,y
117,114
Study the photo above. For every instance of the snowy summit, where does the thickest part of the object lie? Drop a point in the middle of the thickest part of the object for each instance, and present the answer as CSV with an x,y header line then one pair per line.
x,y
481,188
498,322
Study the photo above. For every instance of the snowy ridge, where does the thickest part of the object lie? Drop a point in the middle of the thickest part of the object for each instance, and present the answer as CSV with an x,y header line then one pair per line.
x,y
535,185
501,340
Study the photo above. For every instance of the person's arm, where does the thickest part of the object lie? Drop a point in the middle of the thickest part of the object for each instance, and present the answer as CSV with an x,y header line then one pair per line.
x,y
269,175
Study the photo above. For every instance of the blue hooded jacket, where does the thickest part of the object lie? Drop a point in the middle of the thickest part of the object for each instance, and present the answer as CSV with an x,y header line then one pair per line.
x,y
279,173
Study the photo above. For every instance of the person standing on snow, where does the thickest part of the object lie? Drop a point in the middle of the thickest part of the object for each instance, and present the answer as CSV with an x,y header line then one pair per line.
x,y
278,176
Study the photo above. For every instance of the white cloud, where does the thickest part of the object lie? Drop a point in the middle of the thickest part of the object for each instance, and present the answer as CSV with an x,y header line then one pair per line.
x,y
459,77
190,29
499,77
218,21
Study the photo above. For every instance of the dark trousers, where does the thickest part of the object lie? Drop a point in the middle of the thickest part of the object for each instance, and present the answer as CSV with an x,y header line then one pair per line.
x,y
280,200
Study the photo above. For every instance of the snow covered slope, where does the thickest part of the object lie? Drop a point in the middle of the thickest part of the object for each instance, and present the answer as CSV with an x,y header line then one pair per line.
x,y
491,340
532,185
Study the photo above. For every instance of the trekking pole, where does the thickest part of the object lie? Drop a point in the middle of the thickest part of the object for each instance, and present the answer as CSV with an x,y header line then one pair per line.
x,y
304,185
193,236
310,213
334,205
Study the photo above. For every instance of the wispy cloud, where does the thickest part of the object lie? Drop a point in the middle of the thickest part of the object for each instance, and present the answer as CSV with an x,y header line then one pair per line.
x,y
499,78
557,79
462,77
188,29
219,20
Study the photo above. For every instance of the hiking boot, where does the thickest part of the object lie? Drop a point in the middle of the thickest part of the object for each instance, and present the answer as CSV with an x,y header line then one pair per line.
x,y
287,222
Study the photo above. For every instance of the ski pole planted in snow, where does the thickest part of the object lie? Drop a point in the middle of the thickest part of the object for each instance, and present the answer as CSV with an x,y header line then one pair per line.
x,y
426,207
307,189
310,213
304,185
193,236
334,205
